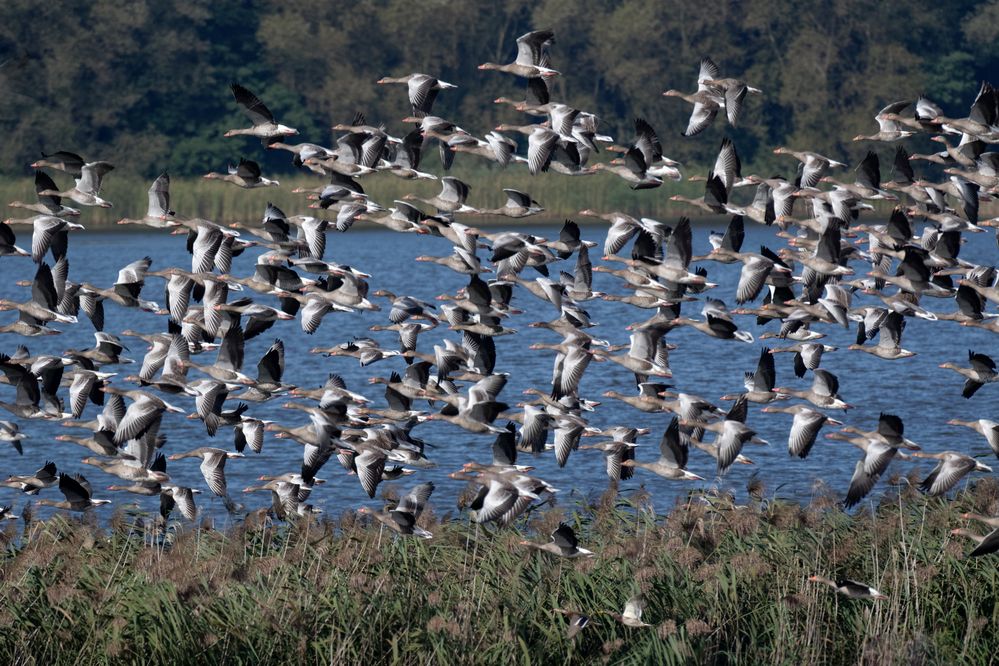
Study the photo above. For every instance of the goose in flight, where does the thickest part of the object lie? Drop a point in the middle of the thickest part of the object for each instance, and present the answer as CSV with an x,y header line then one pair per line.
x,y
713,93
849,588
77,491
264,125
451,199
158,212
423,90
951,467
48,204
631,616
673,456
246,174
88,186
888,129
564,543
531,61
981,372
212,466
402,519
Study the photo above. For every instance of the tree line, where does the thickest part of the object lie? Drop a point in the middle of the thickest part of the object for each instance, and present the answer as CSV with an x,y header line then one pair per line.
x,y
145,84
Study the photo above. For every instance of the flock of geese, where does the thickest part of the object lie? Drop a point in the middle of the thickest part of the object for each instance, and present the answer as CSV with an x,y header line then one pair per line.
x,y
813,281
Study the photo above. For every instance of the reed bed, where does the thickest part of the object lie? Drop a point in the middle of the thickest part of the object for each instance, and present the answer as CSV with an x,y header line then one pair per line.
x,y
724,584
562,196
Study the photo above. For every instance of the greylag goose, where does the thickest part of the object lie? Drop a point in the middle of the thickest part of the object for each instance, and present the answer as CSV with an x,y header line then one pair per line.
x,y
48,204
518,204
475,413
76,489
62,160
717,323
889,345
987,428
707,100
890,430
369,463
402,217
646,356
406,160
823,393
365,350
732,433
503,496
577,622
564,544
537,97
804,428
807,355
101,442
228,363
755,272
285,501
304,154
10,432
264,125
631,616
212,465
44,304
649,398
760,384
48,232
451,198
815,165
246,174
142,416
180,497
849,588
402,519
616,451
407,307
158,213
981,372
44,477
715,196
735,91
542,144
633,169
7,240
27,402
107,351
88,186
305,483
531,59
127,468
888,129
423,90
867,183
496,147
951,468
647,142
459,261
987,544
878,454
673,456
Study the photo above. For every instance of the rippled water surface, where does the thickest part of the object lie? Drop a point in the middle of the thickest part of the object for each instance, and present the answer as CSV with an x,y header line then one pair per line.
x,y
924,395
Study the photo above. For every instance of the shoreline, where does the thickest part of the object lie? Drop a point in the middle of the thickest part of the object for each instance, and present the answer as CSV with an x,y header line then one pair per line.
x,y
195,197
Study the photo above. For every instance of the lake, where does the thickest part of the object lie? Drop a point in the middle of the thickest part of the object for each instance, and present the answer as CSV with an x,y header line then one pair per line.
x,y
924,395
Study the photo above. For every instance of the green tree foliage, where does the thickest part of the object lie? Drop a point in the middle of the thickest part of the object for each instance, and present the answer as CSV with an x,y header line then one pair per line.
x,y
145,84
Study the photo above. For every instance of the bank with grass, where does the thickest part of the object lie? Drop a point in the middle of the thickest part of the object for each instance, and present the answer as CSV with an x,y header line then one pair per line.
x,y
723,584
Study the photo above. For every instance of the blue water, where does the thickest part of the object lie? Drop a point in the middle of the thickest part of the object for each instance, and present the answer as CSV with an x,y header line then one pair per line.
x,y
924,395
